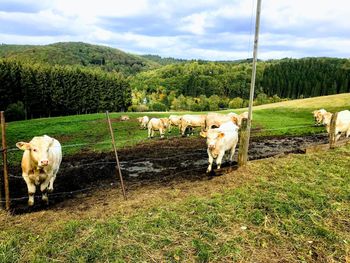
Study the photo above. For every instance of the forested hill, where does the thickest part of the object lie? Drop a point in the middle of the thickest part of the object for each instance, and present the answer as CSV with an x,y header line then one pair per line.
x,y
78,53
287,78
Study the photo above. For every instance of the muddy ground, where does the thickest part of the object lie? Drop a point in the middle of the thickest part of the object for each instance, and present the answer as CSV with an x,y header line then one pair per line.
x,y
163,162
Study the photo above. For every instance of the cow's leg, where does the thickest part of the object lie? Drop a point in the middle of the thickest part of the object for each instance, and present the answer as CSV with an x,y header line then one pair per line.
x,y
219,159
149,132
31,189
337,135
183,130
152,133
232,152
210,160
52,180
44,188
161,132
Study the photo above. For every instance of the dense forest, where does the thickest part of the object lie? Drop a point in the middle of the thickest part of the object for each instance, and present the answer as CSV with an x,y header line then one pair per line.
x,y
80,54
97,78
307,77
37,90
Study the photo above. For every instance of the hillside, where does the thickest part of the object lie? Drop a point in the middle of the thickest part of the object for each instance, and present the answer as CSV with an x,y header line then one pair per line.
x,y
78,53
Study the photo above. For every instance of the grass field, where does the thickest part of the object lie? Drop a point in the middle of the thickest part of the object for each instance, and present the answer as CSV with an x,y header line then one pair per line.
x,y
286,209
291,209
90,132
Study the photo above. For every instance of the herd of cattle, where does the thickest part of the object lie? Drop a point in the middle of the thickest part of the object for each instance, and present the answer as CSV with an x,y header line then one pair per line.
x,y
43,155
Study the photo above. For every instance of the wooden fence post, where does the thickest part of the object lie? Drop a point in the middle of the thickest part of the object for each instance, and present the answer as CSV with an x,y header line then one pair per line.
x,y
116,155
243,140
332,135
4,158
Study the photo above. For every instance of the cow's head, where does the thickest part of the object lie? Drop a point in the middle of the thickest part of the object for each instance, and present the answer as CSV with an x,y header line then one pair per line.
x,y
165,122
326,118
212,135
39,149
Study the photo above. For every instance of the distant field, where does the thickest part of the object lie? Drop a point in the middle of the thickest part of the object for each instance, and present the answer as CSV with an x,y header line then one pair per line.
x,y
90,132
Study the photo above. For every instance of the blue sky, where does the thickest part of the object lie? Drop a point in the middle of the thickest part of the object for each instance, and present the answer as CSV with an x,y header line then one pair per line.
x,y
206,29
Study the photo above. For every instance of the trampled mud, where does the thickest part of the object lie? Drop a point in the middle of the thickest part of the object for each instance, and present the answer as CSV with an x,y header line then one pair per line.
x,y
162,162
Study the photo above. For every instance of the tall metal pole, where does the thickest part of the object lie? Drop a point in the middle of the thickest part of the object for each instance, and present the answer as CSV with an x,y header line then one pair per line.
x,y
116,155
252,83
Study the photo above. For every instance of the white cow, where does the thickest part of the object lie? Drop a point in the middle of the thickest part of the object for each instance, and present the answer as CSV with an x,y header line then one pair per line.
x,y
175,120
214,120
342,124
190,121
40,163
220,140
318,116
143,122
156,124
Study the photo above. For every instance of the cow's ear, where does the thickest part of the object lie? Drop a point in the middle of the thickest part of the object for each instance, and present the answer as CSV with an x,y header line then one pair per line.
x,y
234,120
221,135
203,134
23,146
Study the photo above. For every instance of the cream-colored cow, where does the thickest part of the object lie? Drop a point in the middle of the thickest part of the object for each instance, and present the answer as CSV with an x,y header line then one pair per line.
x,y
191,121
174,120
40,163
220,140
143,122
318,116
342,124
156,124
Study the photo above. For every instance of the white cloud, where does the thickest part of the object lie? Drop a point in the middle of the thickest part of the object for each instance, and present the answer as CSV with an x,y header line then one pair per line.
x,y
212,29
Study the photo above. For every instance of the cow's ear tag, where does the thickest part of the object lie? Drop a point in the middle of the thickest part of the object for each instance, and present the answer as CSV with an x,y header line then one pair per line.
x,y
221,135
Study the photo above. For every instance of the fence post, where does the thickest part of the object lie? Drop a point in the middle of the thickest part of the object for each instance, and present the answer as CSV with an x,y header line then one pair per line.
x,y
332,135
4,158
243,140
116,155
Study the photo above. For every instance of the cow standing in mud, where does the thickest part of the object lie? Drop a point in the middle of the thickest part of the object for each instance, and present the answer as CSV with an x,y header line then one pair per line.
x,y
220,140
342,124
40,163
175,120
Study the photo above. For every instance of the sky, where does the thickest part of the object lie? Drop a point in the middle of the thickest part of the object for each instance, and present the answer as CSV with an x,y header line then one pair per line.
x,y
188,29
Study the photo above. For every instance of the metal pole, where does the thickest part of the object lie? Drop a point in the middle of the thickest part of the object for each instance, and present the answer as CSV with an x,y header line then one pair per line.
x,y
116,155
252,83
4,157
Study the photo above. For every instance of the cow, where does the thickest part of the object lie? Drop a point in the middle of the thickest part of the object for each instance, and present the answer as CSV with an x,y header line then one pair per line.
x,y
220,140
342,124
143,122
175,120
190,121
124,118
214,120
40,163
238,118
156,124
318,116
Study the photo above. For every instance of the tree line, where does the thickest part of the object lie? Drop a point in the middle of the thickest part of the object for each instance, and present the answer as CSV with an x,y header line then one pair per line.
x,y
37,90
308,77
275,80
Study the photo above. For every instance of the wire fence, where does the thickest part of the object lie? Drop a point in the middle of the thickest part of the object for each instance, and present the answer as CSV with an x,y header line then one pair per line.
x,y
175,152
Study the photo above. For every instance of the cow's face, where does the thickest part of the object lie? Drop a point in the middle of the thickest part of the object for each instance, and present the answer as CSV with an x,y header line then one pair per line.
x,y
212,138
326,118
165,122
39,150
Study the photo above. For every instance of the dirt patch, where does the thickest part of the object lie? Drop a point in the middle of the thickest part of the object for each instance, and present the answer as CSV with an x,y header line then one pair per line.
x,y
161,163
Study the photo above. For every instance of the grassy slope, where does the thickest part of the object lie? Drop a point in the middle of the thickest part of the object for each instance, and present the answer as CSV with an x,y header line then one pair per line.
x,y
291,209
